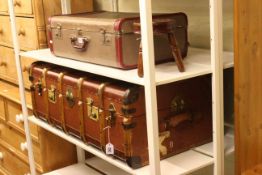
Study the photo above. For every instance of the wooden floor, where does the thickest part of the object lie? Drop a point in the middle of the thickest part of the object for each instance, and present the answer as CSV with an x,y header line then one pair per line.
x,y
257,170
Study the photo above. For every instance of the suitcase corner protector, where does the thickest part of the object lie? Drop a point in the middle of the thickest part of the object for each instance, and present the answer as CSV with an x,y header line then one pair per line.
x,y
134,162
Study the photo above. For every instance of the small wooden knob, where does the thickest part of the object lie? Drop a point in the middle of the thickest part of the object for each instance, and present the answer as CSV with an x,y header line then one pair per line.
x,y
19,118
26,69
21,32
3,63
23,146
17,3
1,31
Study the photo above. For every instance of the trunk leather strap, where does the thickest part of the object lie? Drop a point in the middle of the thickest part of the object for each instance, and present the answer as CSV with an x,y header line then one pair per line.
x,y
45,93
102,119
80,106
61,101
127,136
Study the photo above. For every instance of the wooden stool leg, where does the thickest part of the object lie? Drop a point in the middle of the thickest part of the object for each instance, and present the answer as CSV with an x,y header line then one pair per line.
x,y
176,52
140,69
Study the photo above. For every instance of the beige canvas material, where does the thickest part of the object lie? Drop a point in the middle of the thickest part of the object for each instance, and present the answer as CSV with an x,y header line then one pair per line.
x,y
109,38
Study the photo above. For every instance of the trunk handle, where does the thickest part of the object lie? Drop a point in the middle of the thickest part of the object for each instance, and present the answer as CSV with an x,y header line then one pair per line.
x,y
79,43
175,121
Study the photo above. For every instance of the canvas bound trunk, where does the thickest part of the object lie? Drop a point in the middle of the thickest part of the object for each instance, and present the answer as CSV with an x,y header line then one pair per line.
x,y
101,111
108,38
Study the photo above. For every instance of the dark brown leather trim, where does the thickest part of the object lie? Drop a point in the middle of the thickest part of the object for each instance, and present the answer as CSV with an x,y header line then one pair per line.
x,y
134,162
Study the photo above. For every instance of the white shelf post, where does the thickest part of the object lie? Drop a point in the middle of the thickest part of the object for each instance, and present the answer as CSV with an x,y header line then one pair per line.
x,y
66,6
150,85
21,87
66,9
216,34
115,6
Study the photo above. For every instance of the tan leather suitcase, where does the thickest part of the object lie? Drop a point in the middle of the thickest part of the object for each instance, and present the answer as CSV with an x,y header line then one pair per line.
x,y
108,38
103,111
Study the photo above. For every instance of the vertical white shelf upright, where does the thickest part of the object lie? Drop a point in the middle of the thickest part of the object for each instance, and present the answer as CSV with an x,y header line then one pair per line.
x,y
149,81
216,41
150,85
21,87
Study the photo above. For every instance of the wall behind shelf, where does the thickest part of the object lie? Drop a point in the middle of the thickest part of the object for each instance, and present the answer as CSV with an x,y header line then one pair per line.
x,y
198,15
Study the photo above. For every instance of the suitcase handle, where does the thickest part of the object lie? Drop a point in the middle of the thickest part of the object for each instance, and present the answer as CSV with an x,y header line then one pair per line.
x,y
175,121
79,43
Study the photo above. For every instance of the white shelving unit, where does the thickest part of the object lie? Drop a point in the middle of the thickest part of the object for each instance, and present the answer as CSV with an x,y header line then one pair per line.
x,y
198,62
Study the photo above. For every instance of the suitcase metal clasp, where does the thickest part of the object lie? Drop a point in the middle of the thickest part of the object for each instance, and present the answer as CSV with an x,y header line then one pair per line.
x,y
106,39
111,119
39,87
178,105
51,94
93,112
70,98
58,31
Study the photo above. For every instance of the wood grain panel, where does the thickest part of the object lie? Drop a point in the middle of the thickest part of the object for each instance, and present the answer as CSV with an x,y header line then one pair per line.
x,y
12,109
53,7
5,31
23,7
25,65
27,34
56,152
8,65
248,84
14,139
2,109
11,162
3,6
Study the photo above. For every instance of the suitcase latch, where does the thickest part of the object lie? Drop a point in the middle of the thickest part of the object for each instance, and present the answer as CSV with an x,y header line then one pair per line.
x,y
106,39
93,112
58,31
70,98
39,87
178,105
51,94
111,119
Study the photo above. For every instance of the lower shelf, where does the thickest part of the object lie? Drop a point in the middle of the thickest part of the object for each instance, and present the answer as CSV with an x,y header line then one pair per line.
x,y
228,142
183,163
79,169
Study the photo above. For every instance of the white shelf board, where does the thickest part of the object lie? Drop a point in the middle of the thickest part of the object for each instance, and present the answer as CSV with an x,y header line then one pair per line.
x,y
183,163
208,148
198,62
76,169
105,167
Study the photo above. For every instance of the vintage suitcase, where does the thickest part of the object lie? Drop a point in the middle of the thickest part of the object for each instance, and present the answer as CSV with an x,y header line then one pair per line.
x,y
56,95
37,76
101,112
115,114
108,38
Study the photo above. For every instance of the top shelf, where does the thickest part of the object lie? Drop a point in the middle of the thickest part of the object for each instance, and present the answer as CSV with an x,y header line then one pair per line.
x,y
198,62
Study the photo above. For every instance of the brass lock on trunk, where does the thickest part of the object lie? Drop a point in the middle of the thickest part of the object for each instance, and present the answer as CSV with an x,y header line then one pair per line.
x,y
70,98
111,119
178,105
39,87
93,112
51,94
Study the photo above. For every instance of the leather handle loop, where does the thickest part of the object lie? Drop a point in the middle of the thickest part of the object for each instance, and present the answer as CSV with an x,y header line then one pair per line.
x,y
79,43
175,121
180,118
